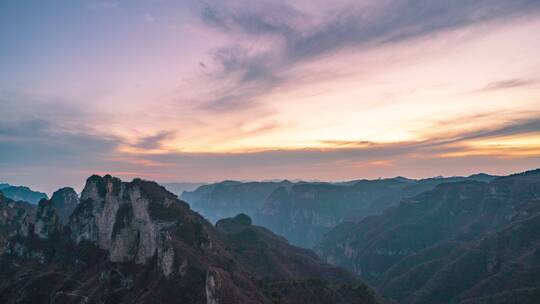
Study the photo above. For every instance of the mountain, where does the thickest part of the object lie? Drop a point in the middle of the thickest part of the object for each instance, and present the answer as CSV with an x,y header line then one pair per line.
x,y
22,193
229,198
289,274
15,218
65,201
135,242
179,188
304,212
19,217
464,242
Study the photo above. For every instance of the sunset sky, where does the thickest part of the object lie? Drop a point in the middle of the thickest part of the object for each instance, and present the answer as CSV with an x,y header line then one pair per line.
x,y
257,90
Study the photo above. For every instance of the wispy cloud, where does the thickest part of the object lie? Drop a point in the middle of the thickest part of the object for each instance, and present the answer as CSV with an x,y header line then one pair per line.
x,y
507,84
340,159
293,36
37,142
154,141
149,18
102,4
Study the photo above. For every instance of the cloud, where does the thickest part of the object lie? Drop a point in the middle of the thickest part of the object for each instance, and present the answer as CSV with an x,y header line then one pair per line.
x,y
281,36
36,142
36,152
382,22
149,18
47,142
507,84
253,76
155,141
344,159
524,126
100,5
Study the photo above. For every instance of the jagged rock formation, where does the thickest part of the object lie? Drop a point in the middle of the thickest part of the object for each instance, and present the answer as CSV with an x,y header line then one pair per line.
x,y
304,212
137,243
48,221
22,193
15,219
127,220
229,198
65,201
466,242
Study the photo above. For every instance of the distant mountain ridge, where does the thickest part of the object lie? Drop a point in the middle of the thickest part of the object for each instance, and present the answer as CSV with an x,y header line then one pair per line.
x,y
229,198
22,193
303,212
179,187
464,242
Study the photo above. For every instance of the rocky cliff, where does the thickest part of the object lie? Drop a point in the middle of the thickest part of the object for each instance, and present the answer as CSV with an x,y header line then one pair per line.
x,y
65,201
129,220
15,219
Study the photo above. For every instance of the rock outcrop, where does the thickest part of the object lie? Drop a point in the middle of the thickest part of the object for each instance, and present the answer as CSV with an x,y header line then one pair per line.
x,y
47,222
15,219
65,201
132,221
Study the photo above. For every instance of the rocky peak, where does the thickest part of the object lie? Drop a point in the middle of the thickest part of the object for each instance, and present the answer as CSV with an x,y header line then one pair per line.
x,y
48,222
15,217
130,220
65,200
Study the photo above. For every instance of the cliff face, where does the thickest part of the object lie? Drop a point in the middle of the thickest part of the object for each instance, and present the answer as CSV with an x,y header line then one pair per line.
x,y
135,243
15,219
460,242
121,218
47,223
65,201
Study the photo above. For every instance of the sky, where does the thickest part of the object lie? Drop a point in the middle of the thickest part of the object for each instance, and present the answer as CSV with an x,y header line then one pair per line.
x,y
204,91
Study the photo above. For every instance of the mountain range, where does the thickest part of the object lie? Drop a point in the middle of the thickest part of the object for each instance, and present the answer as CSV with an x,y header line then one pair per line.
x,y
229,198
22,193
135,242
463,242
304,211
